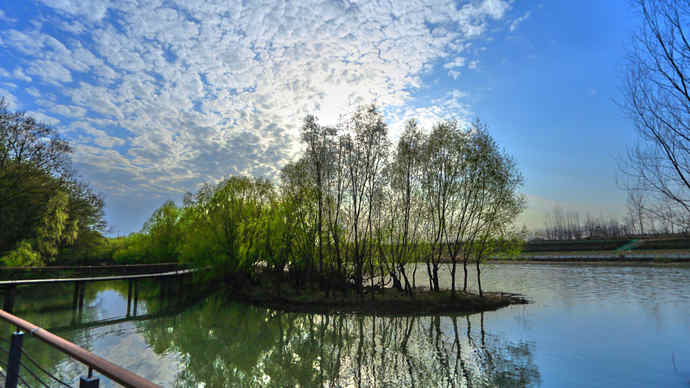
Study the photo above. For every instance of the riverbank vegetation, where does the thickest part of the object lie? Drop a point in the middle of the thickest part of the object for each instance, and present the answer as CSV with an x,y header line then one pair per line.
x,y
46,212
350,213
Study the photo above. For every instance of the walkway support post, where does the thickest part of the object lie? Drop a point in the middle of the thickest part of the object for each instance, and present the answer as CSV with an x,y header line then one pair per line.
x,y
82,286
15,357
75,298
9,298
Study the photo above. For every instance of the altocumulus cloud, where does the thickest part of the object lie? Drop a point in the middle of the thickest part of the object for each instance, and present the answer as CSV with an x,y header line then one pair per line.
x,y
159,96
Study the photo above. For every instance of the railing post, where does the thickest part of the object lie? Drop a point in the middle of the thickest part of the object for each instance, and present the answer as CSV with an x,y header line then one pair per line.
x,y
15,357
9,298
88,382
129,296
136,296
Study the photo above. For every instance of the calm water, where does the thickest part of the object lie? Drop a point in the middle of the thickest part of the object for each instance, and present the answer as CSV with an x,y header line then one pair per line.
x,y
587,326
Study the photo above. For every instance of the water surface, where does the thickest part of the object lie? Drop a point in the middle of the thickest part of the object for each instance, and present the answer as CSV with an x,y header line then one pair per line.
x,y
587,326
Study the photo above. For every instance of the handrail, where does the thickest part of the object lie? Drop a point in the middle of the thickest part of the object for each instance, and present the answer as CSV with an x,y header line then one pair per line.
x,y
95,278
76,267
107,368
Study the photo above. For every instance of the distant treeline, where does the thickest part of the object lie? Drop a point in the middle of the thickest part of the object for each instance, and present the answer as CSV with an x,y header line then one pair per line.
x,y
352,210
640,243
642,220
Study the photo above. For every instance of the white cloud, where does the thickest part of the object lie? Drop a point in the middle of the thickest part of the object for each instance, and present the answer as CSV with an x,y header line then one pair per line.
x,y
10,99
69,111
49,71
92,10
28,43
458,62
33,91
514,25
5,18
18,73
43,118
205,88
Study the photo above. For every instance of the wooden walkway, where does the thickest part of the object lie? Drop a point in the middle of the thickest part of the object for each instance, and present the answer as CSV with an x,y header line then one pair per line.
x,y
10,286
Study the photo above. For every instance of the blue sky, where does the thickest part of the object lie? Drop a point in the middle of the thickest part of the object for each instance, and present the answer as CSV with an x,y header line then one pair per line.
x,y
158,97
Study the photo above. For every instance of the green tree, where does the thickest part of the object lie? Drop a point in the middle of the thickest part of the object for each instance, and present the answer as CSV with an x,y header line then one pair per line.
x,y
42,205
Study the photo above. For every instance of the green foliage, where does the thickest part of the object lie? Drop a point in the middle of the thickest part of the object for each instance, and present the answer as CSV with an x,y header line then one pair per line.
x,y
163,233
130,250
43,204
23,256
90,248
222,225
53,228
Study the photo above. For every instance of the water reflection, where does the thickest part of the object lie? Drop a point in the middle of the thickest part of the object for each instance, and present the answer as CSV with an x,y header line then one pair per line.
x,y
624,326
231,344
106,320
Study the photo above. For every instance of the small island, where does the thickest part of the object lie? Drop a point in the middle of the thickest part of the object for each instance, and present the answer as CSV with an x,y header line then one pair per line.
x,y
382,302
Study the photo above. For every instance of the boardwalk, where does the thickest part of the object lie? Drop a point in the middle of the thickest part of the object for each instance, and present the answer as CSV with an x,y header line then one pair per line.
x,y
10,286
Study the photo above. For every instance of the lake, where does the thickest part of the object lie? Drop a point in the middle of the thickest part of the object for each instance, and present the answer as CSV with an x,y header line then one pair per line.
x,y
587,325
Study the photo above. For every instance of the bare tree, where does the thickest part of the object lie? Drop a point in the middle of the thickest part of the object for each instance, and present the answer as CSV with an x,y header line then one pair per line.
x,y
636,210
658,100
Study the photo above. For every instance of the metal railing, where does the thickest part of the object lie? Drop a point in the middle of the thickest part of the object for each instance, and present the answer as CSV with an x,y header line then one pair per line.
x,y
92,361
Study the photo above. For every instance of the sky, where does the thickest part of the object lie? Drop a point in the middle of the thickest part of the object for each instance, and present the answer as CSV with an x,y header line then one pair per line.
x,y
157,97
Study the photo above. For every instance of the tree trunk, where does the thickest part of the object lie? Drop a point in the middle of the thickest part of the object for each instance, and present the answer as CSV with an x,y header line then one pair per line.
x,y
464,267
479,280
452,278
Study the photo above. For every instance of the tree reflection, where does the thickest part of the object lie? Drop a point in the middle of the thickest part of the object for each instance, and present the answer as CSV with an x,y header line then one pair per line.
x,y
231,344
222,343
52,308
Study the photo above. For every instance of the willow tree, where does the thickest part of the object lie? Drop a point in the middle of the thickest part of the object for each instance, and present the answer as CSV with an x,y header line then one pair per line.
x,y
365,145
220,226
442,168
318,139
470,190
405,217
492,197
44,207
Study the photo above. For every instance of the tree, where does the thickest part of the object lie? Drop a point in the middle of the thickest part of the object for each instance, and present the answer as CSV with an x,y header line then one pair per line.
x,y
365,154
404,219
443,167
657,98
318,140
636,211
43,207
